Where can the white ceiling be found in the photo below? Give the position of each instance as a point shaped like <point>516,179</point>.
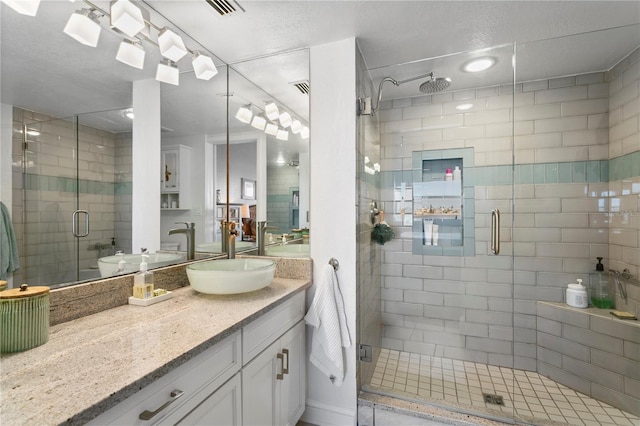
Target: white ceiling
<point>45,70</point>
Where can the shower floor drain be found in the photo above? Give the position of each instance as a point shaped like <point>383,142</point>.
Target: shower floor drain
<point>492,399</point>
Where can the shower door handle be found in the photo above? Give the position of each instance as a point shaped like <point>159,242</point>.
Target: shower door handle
<point>495,232</point>
<point>74,223</point>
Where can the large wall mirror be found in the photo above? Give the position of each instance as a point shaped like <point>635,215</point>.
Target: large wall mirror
<point>72,104</point>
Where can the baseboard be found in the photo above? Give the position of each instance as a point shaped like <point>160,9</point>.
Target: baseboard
<point>319,413</point>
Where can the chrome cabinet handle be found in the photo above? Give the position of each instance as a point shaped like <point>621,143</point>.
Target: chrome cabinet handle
<point>148,415</point>
<point>280,376</point>
<point>495,231</point>
<point>74,223</point>
<point>285,370</point>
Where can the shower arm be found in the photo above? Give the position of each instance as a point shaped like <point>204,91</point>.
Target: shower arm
<point>395,83</point>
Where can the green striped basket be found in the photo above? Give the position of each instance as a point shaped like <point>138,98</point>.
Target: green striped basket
<point>24,318</point>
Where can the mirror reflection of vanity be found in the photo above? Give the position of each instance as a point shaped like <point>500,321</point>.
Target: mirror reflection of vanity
<point>77,165</point>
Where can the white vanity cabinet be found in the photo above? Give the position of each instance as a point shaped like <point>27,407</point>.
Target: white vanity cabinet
<point>256,376</point>
<point>273,384</point>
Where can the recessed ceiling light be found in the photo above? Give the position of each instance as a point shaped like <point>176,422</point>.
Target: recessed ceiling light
<point>479,64</point>
<point>463,107</point>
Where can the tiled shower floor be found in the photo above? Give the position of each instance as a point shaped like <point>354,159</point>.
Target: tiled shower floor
<point>460,384</point>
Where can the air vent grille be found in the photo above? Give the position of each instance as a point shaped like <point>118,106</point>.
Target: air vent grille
<point>302,86</point>
<point>225,7</point>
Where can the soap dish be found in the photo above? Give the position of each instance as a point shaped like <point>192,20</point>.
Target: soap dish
<point>151,301</point>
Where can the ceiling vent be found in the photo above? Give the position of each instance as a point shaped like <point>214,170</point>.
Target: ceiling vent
<point>225,7</point>
<point>302,86</point>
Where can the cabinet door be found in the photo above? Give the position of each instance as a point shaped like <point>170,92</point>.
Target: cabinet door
<point>293,387</point>
<point>223,407</point>
<point>260,388</point>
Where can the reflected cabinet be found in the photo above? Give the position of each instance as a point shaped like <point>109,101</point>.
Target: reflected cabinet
<point>175,168</point>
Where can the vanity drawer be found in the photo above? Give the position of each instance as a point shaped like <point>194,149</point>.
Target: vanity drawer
<point>195,379</point>
<point>261,333</point>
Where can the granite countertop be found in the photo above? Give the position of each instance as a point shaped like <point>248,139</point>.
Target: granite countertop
<point>92,363</point>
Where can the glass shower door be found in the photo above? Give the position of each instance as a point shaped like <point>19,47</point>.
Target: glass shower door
<point>76,196</point>
<point>448,337</point>
<point>49,253</point>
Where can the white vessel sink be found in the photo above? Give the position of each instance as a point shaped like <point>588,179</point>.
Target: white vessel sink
<point>108,266</point>
<point>231,276</point>
<point>288,250</point>
<point>215,247</point>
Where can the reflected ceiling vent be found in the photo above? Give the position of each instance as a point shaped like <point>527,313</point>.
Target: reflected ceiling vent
<point>225,7</point>
<point>302,86</point>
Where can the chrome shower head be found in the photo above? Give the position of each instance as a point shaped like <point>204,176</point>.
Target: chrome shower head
<point>434,85</point>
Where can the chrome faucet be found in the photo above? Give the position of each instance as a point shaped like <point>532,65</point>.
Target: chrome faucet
<point>190,232</point>
<point>262,229</point>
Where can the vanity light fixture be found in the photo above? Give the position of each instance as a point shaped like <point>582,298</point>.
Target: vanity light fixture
<point>167,72</point>
<point>171,45</point>
<point>464,107</point>
<point>282,135</point>
<point>126,17</point>
<point>259,122</point>
<point>271,129</point>
<point>131,53</point>
<point>296,126</point>
<point>24,7</point>
<point>304,133</point>
<point>83,26</point>
<point>244,114</point>
<point>271,111</point>
<point>203,66</point>
<point>285,119</point>
<point>479,64</point>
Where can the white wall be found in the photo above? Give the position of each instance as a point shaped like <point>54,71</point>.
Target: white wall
<point>333,211</point>
<point>6,121</point>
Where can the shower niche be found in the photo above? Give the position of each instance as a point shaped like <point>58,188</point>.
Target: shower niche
<point>443,203</point>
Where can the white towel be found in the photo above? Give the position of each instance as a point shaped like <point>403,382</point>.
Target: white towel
<point>330,333</point>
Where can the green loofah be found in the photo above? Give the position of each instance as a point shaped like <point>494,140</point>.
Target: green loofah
<point>381,233</point>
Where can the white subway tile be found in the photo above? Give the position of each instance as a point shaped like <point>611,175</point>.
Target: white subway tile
<point>386,115</point>
<point>439,98</point>
<point>583,205</point>
<point>622,130</point>
<point>468,132</point>
<point>424,298</point>
<point>585,137</point>
<point>400,126</point>
<point>487,91</point>
<point>462,95</point>
<point>421,111</point>
<point>401,103</point>
<point>585,107</point>
<point>596,77</point>
<point>538,264</point>
<point>487,117</point>
<point>562,82</point>
<point>567,124</point>
<point>598,121</point>
<point>546,140</point>
<point>623,96</point>
<point>599,152</point>
<point>598,90</point>
<point>442,122</point>
<point>525,156</point>
<point>553,155</point>
<point>530,86</point>
<point>631,108</point>
<point>561,95</point>
<point>536,235</point>
<point>536,112</point>
<point>539,205</point>
<point>562,220</point>
<point>507,129</point>
<point>597,236</point>
<point>490,144</point>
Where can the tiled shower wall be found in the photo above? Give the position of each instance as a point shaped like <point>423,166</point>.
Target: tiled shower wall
<point>482,308</point>
<point>44,201</point>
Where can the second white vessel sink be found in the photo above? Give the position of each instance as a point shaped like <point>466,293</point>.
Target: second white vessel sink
<point>231,276</point>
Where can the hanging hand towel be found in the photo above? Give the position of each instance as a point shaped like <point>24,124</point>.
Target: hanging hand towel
<point>330,333</point>
<point>9,260</point>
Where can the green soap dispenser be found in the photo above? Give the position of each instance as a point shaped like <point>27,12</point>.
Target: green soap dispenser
<point>599,285</point>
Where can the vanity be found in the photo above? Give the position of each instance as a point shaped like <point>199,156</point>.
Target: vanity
<point>232,360</point>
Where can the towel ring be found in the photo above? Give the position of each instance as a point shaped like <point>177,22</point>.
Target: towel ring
<point>334,262</point>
